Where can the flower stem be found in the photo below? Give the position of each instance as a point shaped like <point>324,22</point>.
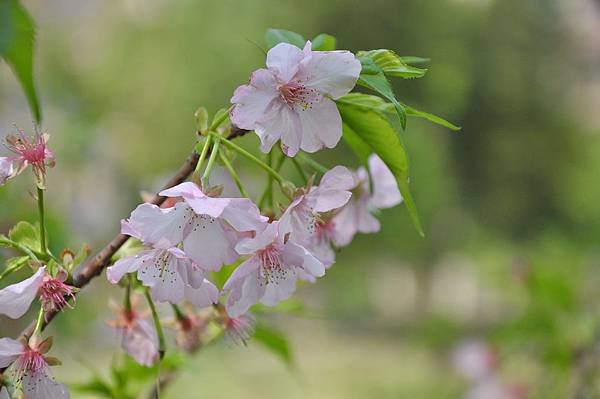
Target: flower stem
<point>312,163</point>
<point>252,158</point>
<point>202,156</point>
<point>179,315</point>
<point>300,170</point>
<point>128,293</point>
<point>217,122</point>
<point>39,323</point>
<point>40,201</point>
<point>211,160</point>
<point>157,325</point>
<point>233,174</point>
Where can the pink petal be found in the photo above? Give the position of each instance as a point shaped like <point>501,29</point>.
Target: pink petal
<point>252,100</point>
<point>281,122</point>
<point>141,342</point>
<point>284,60</point>
<point>262,239</point>
<point>333,190</point>
<point>10,349</point>
<point>209,244</point>
<point>243,215</point>
<point>280,291</point>
<point>41,385</point>
<point>161,228</point>
<point>299,257</point>
<point>185,190</point>
<point>332,72</point>
<point>165,276</point>
<point>385,187</point>
<point>129,264</point>
<point>346,224</point>
<point>205,295</point>
<point>244,288</point>
<point>16,299</point>
<point>321,126</point>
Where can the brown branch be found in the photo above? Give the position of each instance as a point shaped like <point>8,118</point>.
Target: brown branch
<point>94,267</point>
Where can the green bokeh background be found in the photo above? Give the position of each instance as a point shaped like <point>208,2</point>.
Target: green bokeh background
<point>509,204</point>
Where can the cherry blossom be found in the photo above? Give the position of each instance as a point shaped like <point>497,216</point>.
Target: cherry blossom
<point>208,227</point>
<point>29,367</point>
<point>53,293</point>
<point>269,275</point>
<point>307,216</point>
<point>292,99</point>
<point>29,151</point>
<point>138,337</point>
<point>357,215</point>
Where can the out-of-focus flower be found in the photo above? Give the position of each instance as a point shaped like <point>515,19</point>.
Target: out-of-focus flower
<point>51,291</point>
<point>306,216</point>
<point>138,337</point>
<point>239,329</point>
<point>474,359</point>
<point>356,216</point>
<point>190,326</point>
<point>292,99</point>
<point>269,275</point>
<point>29,366</point>
<point>29,150</point>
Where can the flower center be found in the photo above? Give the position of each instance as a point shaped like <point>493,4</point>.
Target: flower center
<point>324,230</point>
<point>296,94</point>
<point>273,269</point>
<point>29,361</point>
<point>53,294</point>
<point>32,150</point>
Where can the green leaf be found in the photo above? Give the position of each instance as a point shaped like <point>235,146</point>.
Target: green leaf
<point>26,234</point>
<point>375,103</point>
<point>275,36</point>
<point>17,35</point>
<point>375,130</point>
<point>324,42</point>
<point>412,60</point>
<point>275,342</point>
<point>410,111</point>
<point>392,64</point>
<point>377,82</point>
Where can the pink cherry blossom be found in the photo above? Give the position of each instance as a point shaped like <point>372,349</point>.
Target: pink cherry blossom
<point>474,359</point>
<point>138,337</point>
<point>29,367</point>
<point>208,227</point>
<point>51,291</point>
<point>269,275</point>
<point>357,215</point>
<point>307,218</point>
<point>29,151</point>
<point>292,99</point>
<point>170,274</point>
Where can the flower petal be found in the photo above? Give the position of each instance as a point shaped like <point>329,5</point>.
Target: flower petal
<point>16,299</point>
<point>333,190</point>
<point>129,264</point>
<point>260,241</point>
<point>208,244</point>
<point>140,341</point>
<point>161,228</point>
<point>243,215</point>
<point>244,288</point>
<point>41,385</point>
<point>281,122</point>
<point>300,257</point>
<point>205,295</point>
<point>10,349</point>
<point>185,190</point>
<point>252,100</point>
<point>385,187</point>
<point>164,274</point>
<point>321,126</point>
<point>332,72</point>
<point>6,169</point>
<point>284,59</point>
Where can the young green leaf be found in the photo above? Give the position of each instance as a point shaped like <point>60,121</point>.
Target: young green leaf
<point>377,82</point>
<point>26,234</point>
<point>376,131</point>
<point>324,42</point>
<point>410,111</point>
<point>392,64</point>
<point>276,342</point>
<point>412,60</point>
<point>275,36</point>
<point>17,36</point>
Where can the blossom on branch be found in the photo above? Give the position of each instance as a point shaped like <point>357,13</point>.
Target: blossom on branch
<point>292,99</point>
<point>29,367</point>
<point>52,292</point>
<point>269,275</point>
<point>32,151</point>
